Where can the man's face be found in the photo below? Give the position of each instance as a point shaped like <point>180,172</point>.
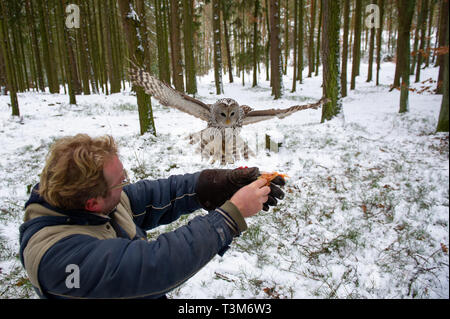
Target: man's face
<point>114,175</point>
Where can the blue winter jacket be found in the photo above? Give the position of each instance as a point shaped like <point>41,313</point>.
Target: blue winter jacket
<point>78,254</point>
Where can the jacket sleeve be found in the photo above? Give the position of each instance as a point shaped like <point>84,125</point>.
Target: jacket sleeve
<point>121,268</point>
<point>159,202</point>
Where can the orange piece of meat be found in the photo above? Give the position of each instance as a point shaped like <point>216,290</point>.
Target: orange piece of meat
<point>270,176</point>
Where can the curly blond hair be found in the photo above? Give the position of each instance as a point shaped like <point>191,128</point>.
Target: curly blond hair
<point>73,171</point>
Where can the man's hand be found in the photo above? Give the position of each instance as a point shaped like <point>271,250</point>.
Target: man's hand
<point>251,198</point>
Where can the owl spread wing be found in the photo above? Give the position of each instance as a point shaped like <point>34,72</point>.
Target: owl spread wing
<point>252,116</point>
<point>168,96</point>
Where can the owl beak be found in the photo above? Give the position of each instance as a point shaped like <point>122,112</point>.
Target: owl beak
<point>227,122</point>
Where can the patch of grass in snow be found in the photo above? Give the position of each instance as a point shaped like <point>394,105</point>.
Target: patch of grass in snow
<point>125,107</point>
<point>15,283</point>
<point>255,241</point>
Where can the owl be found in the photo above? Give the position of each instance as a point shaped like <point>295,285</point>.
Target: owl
<point>220,140</point>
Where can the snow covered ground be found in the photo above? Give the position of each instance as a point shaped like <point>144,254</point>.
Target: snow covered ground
<point>366,209</point>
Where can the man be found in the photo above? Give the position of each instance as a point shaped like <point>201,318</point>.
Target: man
<point>84,236</point>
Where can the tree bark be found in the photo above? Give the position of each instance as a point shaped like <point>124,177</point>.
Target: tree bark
<point>225,12</point>
<point>130,23</point>
<point>443,122</point>
<point>6,52</point>
<point>217,47</point>
<point>406,10</point>
<point>317,62</point>
<point>188,30</point>
<point>161,40</point>
<point>371,50</point>
<point>300,41</point>
<point>379,38</point>
<point>330,58</point>
<point>416,38</point>
<point>430,28</point>
<point>48,64</point>
<point>345,48</point>
<point>294,78</point>
<point>275,49</point>
<point>311,38</point>
<point>35,45</point>
<point>177,62</point>
<point>356,44</point>
<point>68,56</point>
<point>422,25</point>
<point>255,43</point>
<point>443,27</point>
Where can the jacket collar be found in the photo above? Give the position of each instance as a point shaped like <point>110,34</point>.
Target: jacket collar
<point>75,216</point>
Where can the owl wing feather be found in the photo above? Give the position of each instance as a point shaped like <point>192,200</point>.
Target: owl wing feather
<point>252,116</point>
<point>168,96</point>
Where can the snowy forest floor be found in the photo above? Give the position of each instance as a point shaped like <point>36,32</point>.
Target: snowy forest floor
<point>366,212</point>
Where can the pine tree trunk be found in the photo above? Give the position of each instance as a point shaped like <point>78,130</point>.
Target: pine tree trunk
<point>416,38</point>
<point>131,26</point>
<point>423,29</point>
<point>255,43</point>
<point>107,43</point>
<point>443,27</point>
<point>57,44</point>
<point>379,38</point>
<point>319,41</point>
<point>286,36</point>
<point>300,41</point>
<point>294,77</point>
<point>330,59</point>
<point>144,31</point>
<point>116,56</point>
<point>267,47</point>
<point>67,54</point>
<point>311,38</point>
<point>48,63</point>
<point>406,10</point>
<point>443,122</point>
<point>94,48</point>
<point>345,48</point>
<point>226,15</point>
<point>35,45</point>
<point>275,49</point>
<point>371,50</point>
<point>102,54</point>
<point>161,39</point>
<point>217,46</point>
<point>191,81</point>
<point>175,44</point>
<point>398,70</point>
<point>20,57</point>
<point>430,28</point>
<point>3,80</point>
<point>7,55</point>
<point>356,44</point>
<point>166,38</point>
<point>83,54</point>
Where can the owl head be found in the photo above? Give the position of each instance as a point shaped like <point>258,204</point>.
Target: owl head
<point>225,112</point>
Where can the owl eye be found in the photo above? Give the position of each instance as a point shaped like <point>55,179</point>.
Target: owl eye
<point>223,114</point>
<point>232,113</point>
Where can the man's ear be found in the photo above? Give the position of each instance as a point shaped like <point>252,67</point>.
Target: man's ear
<point>92,205</point>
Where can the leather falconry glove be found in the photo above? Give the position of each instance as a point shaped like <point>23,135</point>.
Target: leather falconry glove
<point>215,186</point>
<point>275,192</point>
